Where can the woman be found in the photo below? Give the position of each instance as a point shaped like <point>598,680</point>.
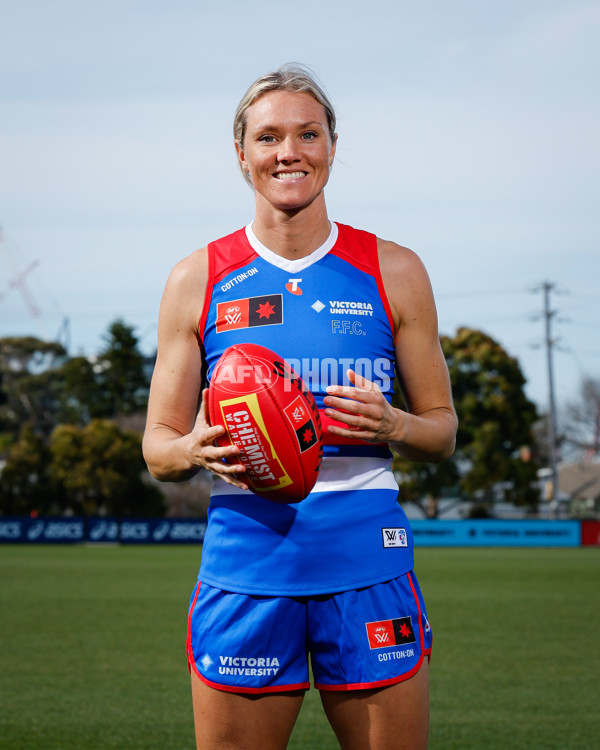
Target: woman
<point>331,575</point>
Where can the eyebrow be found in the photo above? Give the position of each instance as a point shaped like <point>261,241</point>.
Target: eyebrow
<point>310,123</point>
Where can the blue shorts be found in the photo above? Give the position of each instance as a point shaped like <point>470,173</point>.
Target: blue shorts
<point>365,638</point>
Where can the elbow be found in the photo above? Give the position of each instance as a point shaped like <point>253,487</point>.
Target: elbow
<point>156,473</point>
<point>448,447</point>
<point>163,471</point>
<point>446,452</point>
<point>155,467</point>
<point>163,474</point>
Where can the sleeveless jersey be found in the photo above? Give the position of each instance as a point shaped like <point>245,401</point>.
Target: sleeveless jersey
<point>324,313</point>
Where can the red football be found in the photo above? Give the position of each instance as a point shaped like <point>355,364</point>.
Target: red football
<point>271,415</point>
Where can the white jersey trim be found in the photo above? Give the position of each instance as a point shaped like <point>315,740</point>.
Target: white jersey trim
<point>338,474</point>
<point>293,266</point>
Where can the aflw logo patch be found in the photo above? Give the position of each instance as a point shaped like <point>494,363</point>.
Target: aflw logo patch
<point>266,310</point>
<point>390,632</point>
<point>394,537</point>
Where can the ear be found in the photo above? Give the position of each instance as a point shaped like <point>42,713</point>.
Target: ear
<point>241,158</point>
<point>332,149</point>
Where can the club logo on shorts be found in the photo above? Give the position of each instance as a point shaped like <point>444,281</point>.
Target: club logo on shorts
<point>386,633</point>
<point>394,537</point>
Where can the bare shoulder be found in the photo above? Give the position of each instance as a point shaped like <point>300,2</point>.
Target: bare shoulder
<point>190,271</point>
<point>405,280</point>
<point>186,287</point>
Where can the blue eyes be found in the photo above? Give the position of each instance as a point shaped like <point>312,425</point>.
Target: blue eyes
<point>308,136</point>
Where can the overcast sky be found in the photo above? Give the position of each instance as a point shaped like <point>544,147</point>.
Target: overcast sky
<point>468,131</point>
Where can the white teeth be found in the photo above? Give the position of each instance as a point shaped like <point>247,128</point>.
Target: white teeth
<point>289,175</point>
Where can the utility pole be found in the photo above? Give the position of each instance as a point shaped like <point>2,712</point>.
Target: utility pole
<point>547,287</point>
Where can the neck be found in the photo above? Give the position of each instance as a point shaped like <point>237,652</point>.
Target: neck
<point>292,235</point>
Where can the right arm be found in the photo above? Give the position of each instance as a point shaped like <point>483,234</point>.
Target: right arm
<point>178,439</point>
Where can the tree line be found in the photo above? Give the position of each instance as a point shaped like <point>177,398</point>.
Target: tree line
<point>61,446</point>
<point>65,445</point>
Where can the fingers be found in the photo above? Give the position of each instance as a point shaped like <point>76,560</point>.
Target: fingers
<point>361,389</point>
<point>359,381</point>
<point>357,399</point>
<point>219,460</point>
<point>360,407</point>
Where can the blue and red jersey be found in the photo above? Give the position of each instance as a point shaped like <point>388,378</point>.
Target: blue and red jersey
<point>324,314</point>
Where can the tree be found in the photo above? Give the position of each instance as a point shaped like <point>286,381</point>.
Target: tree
<point>495,424</point>
<point>58,454</point>
<point>582,421</point>
<point>82,397</point>
<point>100,468</point>
<point>25,483</point>
<point>120,372</point>
<point>28,393</point>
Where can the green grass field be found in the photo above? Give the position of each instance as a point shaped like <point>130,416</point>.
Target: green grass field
<point>93,654</point>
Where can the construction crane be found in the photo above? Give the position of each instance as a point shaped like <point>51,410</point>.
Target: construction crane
<point>18,280</point>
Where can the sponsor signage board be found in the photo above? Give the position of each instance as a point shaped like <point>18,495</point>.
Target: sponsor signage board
<point>100,530</point>
<point>476,533</point>
<point>590,533</point>
<point>491,533</point>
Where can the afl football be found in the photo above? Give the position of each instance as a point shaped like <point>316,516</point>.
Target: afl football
<point>270,414</point>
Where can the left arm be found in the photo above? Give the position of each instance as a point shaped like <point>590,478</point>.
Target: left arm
<point>427,431</point>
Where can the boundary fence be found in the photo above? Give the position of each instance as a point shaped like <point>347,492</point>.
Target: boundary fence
<point>476,533</point>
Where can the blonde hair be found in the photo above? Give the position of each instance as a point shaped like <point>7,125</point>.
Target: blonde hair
<point>289,77</point>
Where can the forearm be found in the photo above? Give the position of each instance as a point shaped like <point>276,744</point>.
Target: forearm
<point>430,436</point>
<point>167,456</point>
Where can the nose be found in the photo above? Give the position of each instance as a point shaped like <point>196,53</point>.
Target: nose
<point>287,151</point>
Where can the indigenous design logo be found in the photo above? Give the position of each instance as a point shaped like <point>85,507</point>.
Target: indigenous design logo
<point>386,633</point>
<point>266,310</point>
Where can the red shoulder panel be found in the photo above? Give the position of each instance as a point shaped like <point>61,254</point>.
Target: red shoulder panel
<point>229,253</point>
<point>360,249</point>
<point>224,256</point>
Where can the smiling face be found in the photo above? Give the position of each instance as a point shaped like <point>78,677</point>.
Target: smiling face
<point>287,150</point>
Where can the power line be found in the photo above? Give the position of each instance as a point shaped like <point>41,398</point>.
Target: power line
<point>467,293</point>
